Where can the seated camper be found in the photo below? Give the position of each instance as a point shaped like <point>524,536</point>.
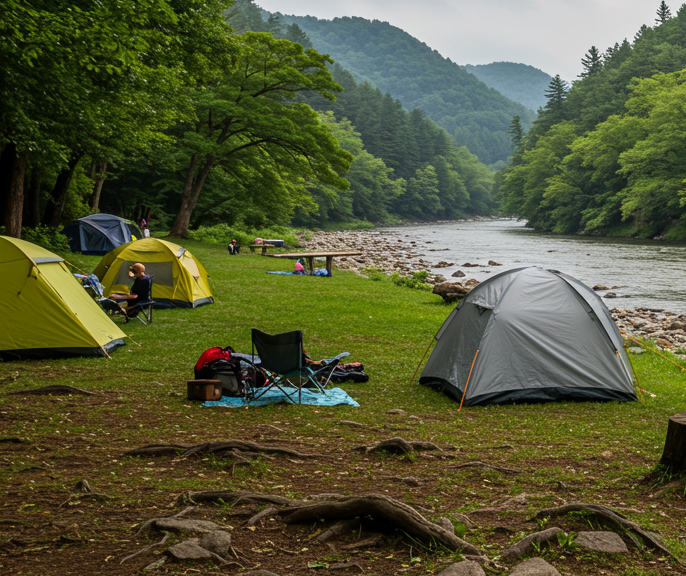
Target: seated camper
<point>140,292</point>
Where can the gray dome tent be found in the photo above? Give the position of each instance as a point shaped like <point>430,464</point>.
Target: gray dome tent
<point>98,234</point>
<point>530,335</point>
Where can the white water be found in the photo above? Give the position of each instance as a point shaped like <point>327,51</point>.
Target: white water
<point>643,273</point>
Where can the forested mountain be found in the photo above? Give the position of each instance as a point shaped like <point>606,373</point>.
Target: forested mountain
<point>475,115</point>
<point>519,82</point>
<point>405,166</point>
<point>608,155</point>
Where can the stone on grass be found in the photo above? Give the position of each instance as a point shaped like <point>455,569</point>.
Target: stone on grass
<point>601,541</point>
<point>177,525</point>
<point>534,567</point>
<point>466,568</point>
<point>444,522</point>
<point>217,541</point>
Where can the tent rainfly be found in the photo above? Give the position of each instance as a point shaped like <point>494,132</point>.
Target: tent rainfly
<point>530,335</point>
<point>97,234</point>
<point>180,280</point>
<point>46,313</point>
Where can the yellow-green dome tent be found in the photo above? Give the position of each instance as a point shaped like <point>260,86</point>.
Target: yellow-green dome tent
<point>180,280</point>
<point>46,313</point>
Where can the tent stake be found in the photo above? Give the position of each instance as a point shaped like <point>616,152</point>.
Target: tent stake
<point>468,379</point>
<point>422,360</point>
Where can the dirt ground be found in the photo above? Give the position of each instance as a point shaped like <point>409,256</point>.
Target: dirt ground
<point>49,527</point>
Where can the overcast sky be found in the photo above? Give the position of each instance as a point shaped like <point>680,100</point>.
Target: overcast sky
<point>552,35</point>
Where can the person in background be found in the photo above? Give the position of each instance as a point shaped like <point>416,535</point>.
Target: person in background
<point>146,232</point>
<point>234,248</point>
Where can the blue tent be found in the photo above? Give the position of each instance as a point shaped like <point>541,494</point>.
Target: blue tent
<point>98,234</point>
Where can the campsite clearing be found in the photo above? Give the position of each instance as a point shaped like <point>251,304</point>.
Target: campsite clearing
<point>500,465</point>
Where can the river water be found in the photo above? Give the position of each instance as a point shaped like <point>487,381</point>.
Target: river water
<point>642,273</point>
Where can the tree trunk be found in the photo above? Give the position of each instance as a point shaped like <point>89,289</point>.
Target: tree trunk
<point>99,176</point>
<point>191,193</point>
<point>12,174</point>
<point>674,454</point>
<point>58,196</point>
<point>33,198</point>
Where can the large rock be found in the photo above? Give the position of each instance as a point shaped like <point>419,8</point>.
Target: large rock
<point>466,568</point>
<point>601,541</point>
<point>451,291</point>
<point>534,567</point>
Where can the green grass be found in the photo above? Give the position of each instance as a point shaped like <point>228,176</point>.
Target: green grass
<point>600,451</point>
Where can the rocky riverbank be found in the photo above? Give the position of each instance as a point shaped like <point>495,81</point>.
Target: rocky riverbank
<point>392,251</point>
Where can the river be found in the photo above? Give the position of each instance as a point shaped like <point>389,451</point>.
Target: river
<point>643,273</point>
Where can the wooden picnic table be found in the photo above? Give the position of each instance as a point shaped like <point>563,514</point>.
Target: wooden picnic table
<point>310,256</point>
<point>267,244</point>
<point>263,246</point>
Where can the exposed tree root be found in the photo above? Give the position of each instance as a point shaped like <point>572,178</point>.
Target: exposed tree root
<point>158,450</point>
<point>632,529</point>
<point>235,498</point>
<point>486,465</point>
<point>85,493</point>
<point>146,549</point>
<point>525,545</point>
<point>260,515</point>
<point>237,449</point>
<point>399,445</point>
<point>384,510</point>
<point>54,389</point>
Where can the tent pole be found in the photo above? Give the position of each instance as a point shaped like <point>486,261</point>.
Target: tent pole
<point>422,360</point>
<point>468,379</point>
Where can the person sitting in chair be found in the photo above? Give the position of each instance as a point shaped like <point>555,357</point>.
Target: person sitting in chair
<point>234,248</point>
<point>139,292</point>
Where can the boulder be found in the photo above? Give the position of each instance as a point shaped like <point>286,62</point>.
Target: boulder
<point>465,568</point>
<point>534,567</point>
<point>451,291</point>
<point>601,541</point>
<point>493,263</point>
<point>600,287</point>
<point>458,274</point>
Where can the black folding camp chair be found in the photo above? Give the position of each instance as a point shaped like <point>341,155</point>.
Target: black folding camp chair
<point>282,357</point>
<point>142,310</point>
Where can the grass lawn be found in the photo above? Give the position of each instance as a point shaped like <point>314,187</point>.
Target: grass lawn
<point>547,454</point>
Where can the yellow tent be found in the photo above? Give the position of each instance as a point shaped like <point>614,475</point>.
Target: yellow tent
<point>180,280</point>
<point>46,313</point>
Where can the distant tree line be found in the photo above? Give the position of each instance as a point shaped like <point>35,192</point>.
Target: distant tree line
<point>608,154</point>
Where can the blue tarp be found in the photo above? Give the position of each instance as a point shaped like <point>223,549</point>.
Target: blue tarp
<point>333,397</point>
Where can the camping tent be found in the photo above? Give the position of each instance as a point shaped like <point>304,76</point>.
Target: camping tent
<point>180,280</point>
<point>46,312</point>
<point>99,233</point>
<point>530,335</point>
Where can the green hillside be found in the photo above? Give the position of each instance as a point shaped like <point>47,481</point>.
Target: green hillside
<point>475,115</point>
<point>519,82</point>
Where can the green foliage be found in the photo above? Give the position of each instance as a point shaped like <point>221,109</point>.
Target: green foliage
<point>621,168</point>
<point>47,237</point>
<point>416,281</point>
<point>223,234</point>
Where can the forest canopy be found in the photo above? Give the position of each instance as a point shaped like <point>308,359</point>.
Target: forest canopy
<point>202,112</point>
<point>607,155</point>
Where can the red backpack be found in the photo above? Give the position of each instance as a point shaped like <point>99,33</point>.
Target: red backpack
<point>212,354</point>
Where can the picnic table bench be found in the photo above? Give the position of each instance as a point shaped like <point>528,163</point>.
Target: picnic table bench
<point>267,244</point>
<point>310,256</point>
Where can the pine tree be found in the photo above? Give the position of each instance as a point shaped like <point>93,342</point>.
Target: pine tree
<point>516,132</point>
<point>663,13</point>
<point>556,93</point>
<point>592,62</point>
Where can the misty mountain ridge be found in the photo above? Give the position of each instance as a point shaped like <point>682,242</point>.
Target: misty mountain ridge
<point>475,115</point>
<point>519,82</point>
